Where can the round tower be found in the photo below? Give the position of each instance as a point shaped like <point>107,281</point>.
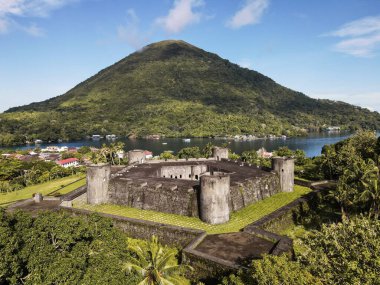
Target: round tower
<point>219,152</point>
<point>98,176</point>
<point>284,166</point>
<point>136,156</point>
<point>214,198</point>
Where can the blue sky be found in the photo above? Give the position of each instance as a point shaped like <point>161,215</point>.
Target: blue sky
<point>325,49</point>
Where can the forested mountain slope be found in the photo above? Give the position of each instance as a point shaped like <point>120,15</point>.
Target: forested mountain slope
<point>176,89</point>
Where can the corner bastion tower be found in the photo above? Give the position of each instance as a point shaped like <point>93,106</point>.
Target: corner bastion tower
<point>215,197</point>
<point>284,166</point>
<point>208,188</point>
<point>98,176</point>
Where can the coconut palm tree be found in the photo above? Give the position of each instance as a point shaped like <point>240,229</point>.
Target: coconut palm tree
<point>371,189</point>
<point>156,265</point>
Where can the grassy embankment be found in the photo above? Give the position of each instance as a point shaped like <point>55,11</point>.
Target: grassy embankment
<point>59,187</point>
<point>238,220</point>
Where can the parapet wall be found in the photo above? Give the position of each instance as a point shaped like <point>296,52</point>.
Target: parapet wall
<point>141,229</point>
<point>189,172</point>
<point>253,190</point>
<point>159,198</point>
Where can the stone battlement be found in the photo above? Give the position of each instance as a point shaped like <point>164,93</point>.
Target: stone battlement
<point>205,188</point>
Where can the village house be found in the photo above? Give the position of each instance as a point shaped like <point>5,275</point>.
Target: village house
<point>69,162</point>
<point>263,153</point>
<point>148,154</point>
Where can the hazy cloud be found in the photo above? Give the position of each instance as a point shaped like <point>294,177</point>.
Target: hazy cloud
<point>130,33</point>
<point>181,15</point>
<point>245,63</point>
<point>34,30</point>
<point>368,100</point>
<point>359,38</point>
<point>249,14</point>
<point>10,10</point>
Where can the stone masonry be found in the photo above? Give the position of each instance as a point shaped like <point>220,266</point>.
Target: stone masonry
<point>207,188</point>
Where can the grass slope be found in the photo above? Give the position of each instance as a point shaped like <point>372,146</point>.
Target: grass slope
<point>238,220</point>
<point>176,89</point>
<point>63,185</point>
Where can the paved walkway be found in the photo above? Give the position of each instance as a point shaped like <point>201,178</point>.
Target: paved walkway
<point>237,247</point>
<point>33,207</point>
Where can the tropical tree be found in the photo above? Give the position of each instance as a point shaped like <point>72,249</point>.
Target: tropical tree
<point>167,155</point>
<point>344,253</point>
<point>156,265</point>
<point>233,156</point>
<point>118,148</point>
<point>328,161</point>
<point>207,150</point>
<point>284,151</point>
<point>371,189</point>
<point>189,152</point>
<point>250,156</point>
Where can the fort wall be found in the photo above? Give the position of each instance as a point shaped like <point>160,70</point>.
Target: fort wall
<point>157,197</point>
<point>188,172</point>
<point>253,190</point>
<point>219,153</point>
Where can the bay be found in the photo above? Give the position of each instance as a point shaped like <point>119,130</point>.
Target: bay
<point>312,144</point>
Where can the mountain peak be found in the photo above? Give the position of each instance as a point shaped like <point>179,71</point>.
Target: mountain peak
<point>176,89</point>
<point>166,49</point>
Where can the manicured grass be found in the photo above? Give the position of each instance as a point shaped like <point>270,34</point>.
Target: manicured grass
<point>43,188</point>
<point>302,179</point>
<point>238,220</point>
<point>69,188</point>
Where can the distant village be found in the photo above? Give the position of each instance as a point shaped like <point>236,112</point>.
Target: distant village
<point>69,156</point>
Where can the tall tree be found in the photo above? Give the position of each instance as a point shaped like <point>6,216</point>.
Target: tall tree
<point>156,265</point>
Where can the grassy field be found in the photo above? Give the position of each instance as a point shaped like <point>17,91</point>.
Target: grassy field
<point>238,220</point>
<point>45,188</point>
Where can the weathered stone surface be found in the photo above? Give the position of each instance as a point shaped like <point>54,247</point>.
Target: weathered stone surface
<point>214,198</point>
<point>284,166</point>
<point>136,156</point>
<point>163,199</point>
<point>174,187</point>
<point>98,177</point>
<point>252,190</point>
<point>140,229</point>
<point>220,153</point>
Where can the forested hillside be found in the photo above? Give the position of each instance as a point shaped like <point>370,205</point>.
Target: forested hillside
<point>175,89</point>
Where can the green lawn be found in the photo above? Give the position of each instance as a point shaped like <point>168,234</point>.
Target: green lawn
<point>44,189</point>
<point>238,220</point>
<point>302,179</point>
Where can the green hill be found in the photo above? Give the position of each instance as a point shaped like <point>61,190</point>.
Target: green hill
<point>176,89</point>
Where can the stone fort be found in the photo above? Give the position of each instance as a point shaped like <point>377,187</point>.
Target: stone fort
<point>206,188</point>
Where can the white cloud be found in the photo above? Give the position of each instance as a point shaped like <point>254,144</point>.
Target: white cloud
<point>249,14</point>
<point>359,38</point>
<point>10,10</point>
<point>369,100</point>
<point>181,15</point>
<point>245,63</point>
<point>130,33</point>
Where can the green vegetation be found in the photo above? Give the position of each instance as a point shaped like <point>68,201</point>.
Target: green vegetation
<point>56,248</point>
<point>238,220</point>
<point>108,154</point>
<point>345,252</point>
<point>156,264</point>
<point>175,89</point>
<point>62,186</point>
<point>16,174</point>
